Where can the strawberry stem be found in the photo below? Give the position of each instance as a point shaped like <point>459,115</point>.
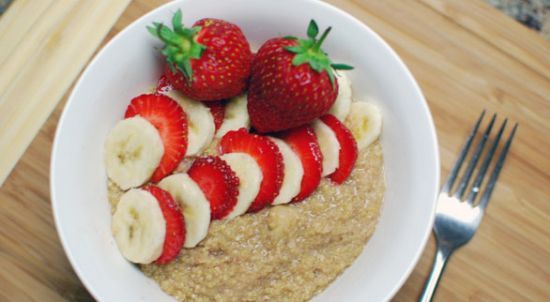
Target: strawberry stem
<point>180,44</point>
<point>309,51</point>
<point>317,45</point>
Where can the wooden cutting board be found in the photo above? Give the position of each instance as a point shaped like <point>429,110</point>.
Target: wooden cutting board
<point>45,44</point>
<point>466,57</point>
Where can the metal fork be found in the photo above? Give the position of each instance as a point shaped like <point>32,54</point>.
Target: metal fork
<point>458,216</point>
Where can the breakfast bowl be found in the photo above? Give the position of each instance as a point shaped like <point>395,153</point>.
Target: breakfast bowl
<point>129,65</point>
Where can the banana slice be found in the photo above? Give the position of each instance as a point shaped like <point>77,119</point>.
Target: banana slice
<point>236,116</point>
<point>329,145</point>
<point>195,206</point>
<point>200,123</point>
<point>139,227</point>
<point>293,173</point>
<point>365,123</point>
<point>340,108</point>
<point>133,150</point>
<point>250,177</point>
<point>184,165</point>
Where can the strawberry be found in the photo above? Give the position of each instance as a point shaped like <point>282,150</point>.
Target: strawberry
<point>163,85</point>
<point>175,224</point>
<point>218,112</point>
<point>207,62</point>
<point>218,182</point>
<point>267,155</point>
<point>303,141</point>
<point>348,148</point>
<point>292,82</point>
<point>170,120</point>
<point>217,108</point>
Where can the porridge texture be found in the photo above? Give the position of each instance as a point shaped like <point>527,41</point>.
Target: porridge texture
<point>283,253</point>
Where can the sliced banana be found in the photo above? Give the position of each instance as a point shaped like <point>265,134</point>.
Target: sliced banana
<point>185,164</point>
<point>341,107</point>
<point>236,116</point>
<point>195,206</point>
<point>329,145</point>
<point>133,150</point>
<point>200,123</point>
<point>250,177</point>
<point>139,227</point>
<point>365,123</point>
<point>293,173</point>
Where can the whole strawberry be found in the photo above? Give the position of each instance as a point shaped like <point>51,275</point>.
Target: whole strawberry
<point>209,61</point>
<point>292,82</point>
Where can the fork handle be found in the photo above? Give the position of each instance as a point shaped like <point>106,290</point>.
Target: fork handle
<point>441,256</point>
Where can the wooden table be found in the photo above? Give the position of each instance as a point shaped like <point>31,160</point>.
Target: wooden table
<point>466,56</point>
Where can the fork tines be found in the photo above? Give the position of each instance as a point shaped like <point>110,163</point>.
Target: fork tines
<point>482,170</point>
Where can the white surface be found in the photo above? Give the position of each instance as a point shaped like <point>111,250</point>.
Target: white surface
<point>98,101</point>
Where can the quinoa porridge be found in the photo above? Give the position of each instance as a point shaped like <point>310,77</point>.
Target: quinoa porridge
<point>283,253</point>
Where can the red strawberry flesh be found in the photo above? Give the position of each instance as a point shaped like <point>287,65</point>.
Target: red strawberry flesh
<point>175,224</point>
<point>163,85</point>
<point>208,62</point>
<point>267,155</point>
<point>218,182</point>
<point>304,143</point>
<point>170,120</point>
<point>292,82</point>
<point>218,112</point>
<point>348,148</point>
<point>283,96</point>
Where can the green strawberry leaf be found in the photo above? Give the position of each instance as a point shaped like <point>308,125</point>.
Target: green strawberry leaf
<point>195,30</point>
<point>339,66</point>
<point>316,65</point>
<point>331,77</point>
<point>309,51</point>
<point>299,59</point>
<point>176,22</point>
<point>295,49</point>
<point>180,45</point>
<point>167,35</point>
<point>312,29</point>
<point>153,29</point>
<point>186,68</point>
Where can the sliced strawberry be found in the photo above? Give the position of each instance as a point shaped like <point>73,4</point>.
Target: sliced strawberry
<point>218,182</point>
<point>303,141</point>
<point>163,85</point>
<point>217,108</point>
<point>348,148</point>
<point>175,224</point>
<point>268,157</point>
<point>170,120</point>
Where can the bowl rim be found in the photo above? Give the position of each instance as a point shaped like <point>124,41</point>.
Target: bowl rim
<point>425,108</point>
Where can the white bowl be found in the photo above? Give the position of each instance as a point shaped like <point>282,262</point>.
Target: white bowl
<point>130,65</point>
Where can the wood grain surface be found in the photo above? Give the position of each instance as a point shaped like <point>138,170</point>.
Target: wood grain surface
<point>466,56</point>
<point>44,45</point>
